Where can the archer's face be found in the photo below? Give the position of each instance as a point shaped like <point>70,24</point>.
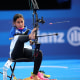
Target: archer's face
<point>19,23</point>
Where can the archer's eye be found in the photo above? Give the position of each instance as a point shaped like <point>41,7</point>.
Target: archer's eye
<point>18,21</point>
<point>21,21</point>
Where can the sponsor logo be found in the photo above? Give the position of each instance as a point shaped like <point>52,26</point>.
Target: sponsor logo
<point>51,39</point>
<point>73,36</point>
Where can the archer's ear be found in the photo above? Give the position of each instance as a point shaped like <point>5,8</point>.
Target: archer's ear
<point>14,23</point>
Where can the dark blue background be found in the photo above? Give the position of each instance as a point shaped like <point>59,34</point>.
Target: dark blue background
<point>51,50</point>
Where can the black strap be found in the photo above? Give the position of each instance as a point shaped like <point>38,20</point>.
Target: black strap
<point>26,32</point>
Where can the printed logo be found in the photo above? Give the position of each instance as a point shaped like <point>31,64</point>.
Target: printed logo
<point>73,36</point>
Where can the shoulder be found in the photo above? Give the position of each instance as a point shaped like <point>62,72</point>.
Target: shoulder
<point>12,29</point>
<point>12,32</point>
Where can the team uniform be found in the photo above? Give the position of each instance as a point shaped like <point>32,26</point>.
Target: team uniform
<point>21,48</point>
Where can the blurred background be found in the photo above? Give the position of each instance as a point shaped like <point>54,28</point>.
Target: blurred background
<point>61,54</point>
<point>60,16</point>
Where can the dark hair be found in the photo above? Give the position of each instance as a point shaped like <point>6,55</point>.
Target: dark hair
<point>16,16</point>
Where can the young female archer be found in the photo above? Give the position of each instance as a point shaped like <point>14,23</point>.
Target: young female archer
<point>19,36</point>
